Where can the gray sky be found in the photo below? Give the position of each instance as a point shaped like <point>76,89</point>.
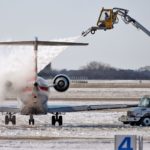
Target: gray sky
<point>122,47</point>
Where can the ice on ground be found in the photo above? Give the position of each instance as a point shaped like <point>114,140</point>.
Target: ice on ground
<point>61,144</point>
<point>95,124</point>
<point>101,93</point>
<point>57,144</point>
<point>81,130</point>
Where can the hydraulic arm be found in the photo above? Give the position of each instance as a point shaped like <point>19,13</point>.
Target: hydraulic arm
<point>109,17</point>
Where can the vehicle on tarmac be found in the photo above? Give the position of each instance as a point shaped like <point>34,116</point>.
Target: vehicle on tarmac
<point>139,115</point>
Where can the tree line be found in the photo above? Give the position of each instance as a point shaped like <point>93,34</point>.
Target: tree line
<point>97,70</point>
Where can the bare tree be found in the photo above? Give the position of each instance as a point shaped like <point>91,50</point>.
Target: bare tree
<point>94,65</point>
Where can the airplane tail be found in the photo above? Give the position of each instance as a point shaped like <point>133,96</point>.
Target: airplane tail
<point>37,43</point>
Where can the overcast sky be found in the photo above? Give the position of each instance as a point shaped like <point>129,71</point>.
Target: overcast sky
<point>122,47</point>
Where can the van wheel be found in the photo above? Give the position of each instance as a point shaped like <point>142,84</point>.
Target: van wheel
<point>132,123</point>
<point>146,121</point>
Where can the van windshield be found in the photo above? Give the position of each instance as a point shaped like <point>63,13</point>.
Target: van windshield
<point>145,102</point>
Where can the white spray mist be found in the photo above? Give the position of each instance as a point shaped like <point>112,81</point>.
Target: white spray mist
<point>16,69</point>
<point>17,65</point>
<point>46,54</point>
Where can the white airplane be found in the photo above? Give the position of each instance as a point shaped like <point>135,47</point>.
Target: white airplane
<point>34,99</point>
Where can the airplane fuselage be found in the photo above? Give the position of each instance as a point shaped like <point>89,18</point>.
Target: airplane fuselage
<point>34,99</point>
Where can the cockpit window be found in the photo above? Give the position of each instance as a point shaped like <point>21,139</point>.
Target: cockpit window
<point>145,102</point>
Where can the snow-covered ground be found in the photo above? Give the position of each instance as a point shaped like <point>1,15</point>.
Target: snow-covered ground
<point>101,93</point>
<point>57,144</point>
<point>84,130</point>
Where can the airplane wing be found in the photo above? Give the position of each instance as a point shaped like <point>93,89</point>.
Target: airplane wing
<point>43,43</point>
<point>64,109</point>
<point>10,109</point>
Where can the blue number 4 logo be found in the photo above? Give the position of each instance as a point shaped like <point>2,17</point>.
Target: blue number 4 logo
<point>126,144</point>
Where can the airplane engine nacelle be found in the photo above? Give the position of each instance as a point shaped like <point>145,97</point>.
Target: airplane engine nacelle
<point>61,83</point>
